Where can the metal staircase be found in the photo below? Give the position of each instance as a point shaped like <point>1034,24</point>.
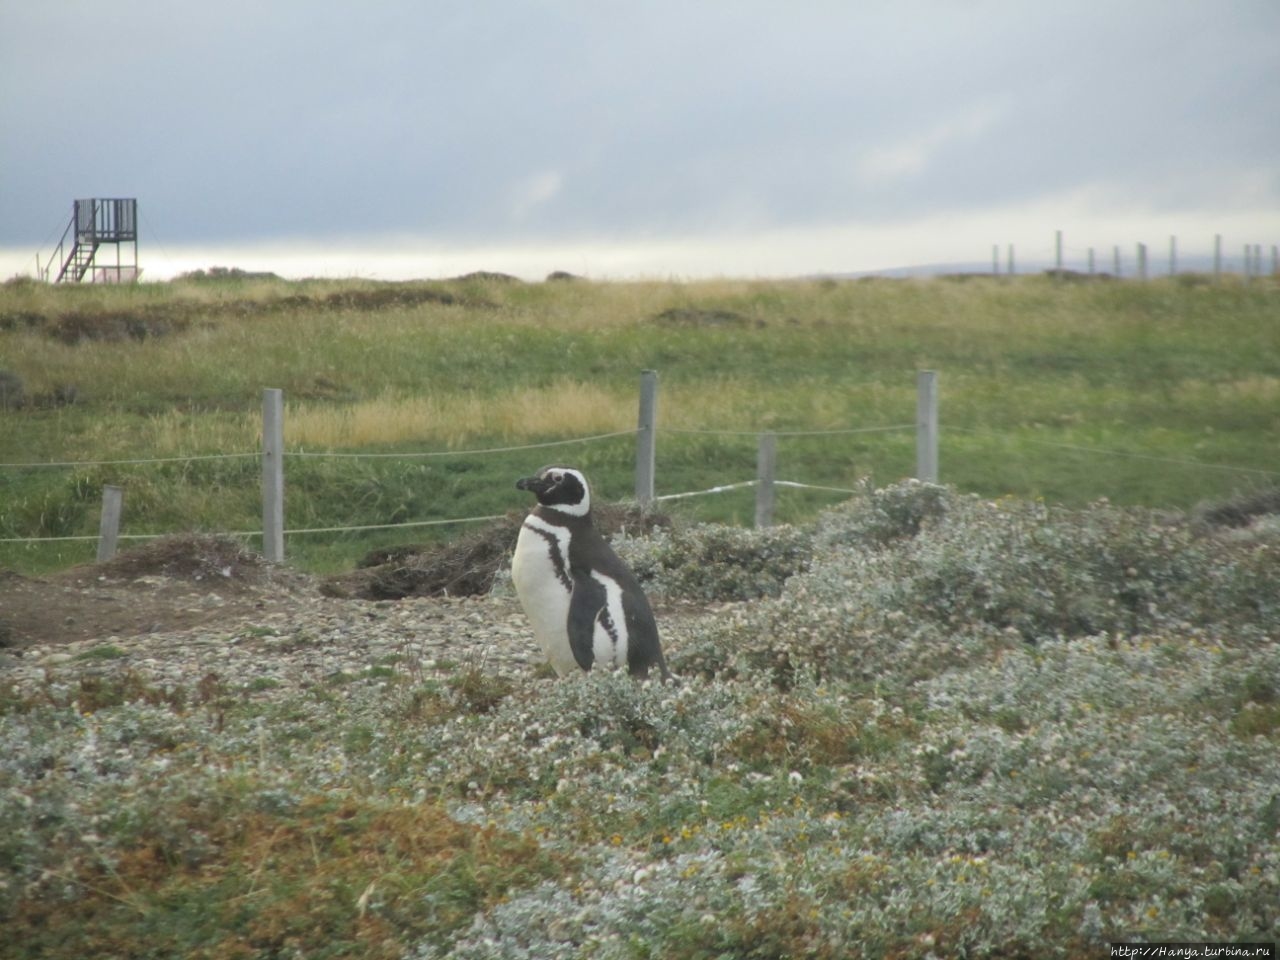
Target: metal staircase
<point>94,223</point>
<point>78,263</point>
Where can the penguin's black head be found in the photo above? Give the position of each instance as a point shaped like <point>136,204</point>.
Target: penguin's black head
<point>562,488</point>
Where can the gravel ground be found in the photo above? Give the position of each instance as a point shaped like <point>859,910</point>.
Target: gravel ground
<point>279,643</point>
<point>178,609</point>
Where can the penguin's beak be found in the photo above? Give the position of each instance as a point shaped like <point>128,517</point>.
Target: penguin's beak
<point>532,484</point>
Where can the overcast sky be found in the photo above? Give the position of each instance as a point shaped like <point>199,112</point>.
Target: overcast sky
<point>395,138</point>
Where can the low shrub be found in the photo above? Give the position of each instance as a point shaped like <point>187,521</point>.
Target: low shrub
<point>916,579</point>
<point>713,562</point>
<point>882,515</point>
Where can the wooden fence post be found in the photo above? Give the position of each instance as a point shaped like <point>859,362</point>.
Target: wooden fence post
<point>646,437</point>
<point>766,473</point>
<point>273,475</point>
<point>1217,257</point>
<point>927,426</point>
<point>109,524</point>
<point>1142,261</point>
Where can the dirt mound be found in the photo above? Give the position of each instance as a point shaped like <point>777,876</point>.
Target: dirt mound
<point>463,567</point>
<point>112,326</point>
<point>1075,276</point>
<point>1240,510</point>
<point>194,558</point>
<point>487,276</point>
<point>13,392</point>
<point>699,317</point>
<point>178,316</point>
<point>172,583</point>
<point>383,297</point>
<point>224,274</point>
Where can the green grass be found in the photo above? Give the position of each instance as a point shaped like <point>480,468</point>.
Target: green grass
<point>226,875</point>
<point>1038,381</point>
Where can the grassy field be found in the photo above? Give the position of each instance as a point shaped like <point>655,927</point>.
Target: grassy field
<point>1067,391</point>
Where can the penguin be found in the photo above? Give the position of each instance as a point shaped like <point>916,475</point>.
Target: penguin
<point>586,606</point>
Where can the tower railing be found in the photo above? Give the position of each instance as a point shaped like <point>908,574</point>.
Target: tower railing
<point>95,222</point>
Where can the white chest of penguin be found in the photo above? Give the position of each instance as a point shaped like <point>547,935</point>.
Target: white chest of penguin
<point>543,582</point>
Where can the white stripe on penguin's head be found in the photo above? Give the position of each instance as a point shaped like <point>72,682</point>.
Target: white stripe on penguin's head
<point>561,488</point>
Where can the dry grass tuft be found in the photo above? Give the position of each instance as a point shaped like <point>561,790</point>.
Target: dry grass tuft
<point>565,408</point>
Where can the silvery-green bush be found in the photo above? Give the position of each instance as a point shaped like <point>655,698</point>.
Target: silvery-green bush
<point>917,578</point>
<point>878,516</point>
<point>1069,794</point>
<point>714,562</point>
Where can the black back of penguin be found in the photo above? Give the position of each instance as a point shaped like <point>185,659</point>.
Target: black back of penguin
<point>564,501</point>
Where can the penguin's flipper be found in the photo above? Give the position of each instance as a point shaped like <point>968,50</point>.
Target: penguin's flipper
<point>643,648</point>
<point>585,604</point>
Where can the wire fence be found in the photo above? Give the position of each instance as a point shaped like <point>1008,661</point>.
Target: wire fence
<point>300,455</point>
<point>765,483</point>
<point>1139,260</point>
<point>411,455</point>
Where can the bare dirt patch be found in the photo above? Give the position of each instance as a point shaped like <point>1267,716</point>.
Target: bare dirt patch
<point>180,582</point>
<point>170,584</point>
